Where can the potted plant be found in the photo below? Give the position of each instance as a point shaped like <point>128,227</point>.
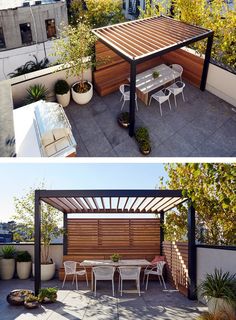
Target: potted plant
<point>50,219</point>
<point>31,302</point>
<point>17,297</point>
<point>23,264</point>
<point>155,74</point>
<point>62,91</point>
<point>219,290</point>
<point>47,295</point>
<point>36,92</point>
<point>123,119</point>
<point>115,257</point>
<point>74,50</point>
<point>7,263</point>
<point>143,140</point>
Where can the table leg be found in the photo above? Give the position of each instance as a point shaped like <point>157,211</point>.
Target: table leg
<point>91,279</point>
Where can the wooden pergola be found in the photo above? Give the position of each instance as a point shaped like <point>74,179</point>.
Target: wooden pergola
<point>114,201</point>
<point>140,40</point>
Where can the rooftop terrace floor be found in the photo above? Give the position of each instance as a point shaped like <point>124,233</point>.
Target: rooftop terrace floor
<point>202,126</point>
<point>152,304</point>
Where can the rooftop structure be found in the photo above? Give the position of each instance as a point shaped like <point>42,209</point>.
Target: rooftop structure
<point>11,4</point>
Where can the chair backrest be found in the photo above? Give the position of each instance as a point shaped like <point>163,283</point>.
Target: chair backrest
<point>160,266</point>
<point>104,272</point>
<point>157,259</point>
<point>180,84</point>
<point>178,68</point>
<point>129,273</point>
<point>70,267</point>
<point>122,88</point>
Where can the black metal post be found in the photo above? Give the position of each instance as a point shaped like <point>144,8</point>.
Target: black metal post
<point>206,61</point>
<point>132,97</point>
<point>37,243</point>
<point>192,256</point>
<point>161,231</point>
<point>65,234</point>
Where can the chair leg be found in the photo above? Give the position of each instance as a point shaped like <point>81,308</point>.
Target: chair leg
<point>121,286</point>
<point>163,281</point>
<point>183,96</point>
<point>122,105</point>
<point>76,282</point>
<point>147,281</point>
<point>86,276</point>
<point>95,287</point>
<point>175,101</point>
<point>64,281</point>
<point>136,104</point>
<point>144,277</point>
<point>113,291</point>
<point>150,100</point>
<point>160,109</point>
<point>121,97</point>
<point>73,279</point>
<point>138,287</point>
<point>169,103</point>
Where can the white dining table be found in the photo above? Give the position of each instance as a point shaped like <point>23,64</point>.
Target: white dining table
<point>121,262</point>
<point>145,83</point>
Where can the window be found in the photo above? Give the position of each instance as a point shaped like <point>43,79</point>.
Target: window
<point>26,34</point>
<point>2,40</point>
<point>50,28</point>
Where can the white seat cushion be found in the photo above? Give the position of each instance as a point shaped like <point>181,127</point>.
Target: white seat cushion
<point>60,133</point>
<point>62,144</point>
<point>50,150</point>
<point>47,138</point>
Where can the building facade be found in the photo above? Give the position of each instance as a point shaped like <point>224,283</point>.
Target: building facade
<point>24,23</point>
<point>131,8</point>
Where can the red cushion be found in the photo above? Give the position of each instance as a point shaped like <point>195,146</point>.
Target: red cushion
<point>157,259</point>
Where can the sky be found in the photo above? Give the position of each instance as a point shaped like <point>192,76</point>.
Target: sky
<point>17,178</point>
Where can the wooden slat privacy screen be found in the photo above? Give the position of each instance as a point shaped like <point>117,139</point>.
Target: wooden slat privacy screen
<point>132,238</point>
<point>176,254</point>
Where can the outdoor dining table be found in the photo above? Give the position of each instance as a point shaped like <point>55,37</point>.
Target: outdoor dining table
<point>145,83</point>
<point>121,262</point>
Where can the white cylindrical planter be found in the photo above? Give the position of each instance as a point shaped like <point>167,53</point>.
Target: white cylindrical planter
<point>63,99</point>
<point>47,271</point>
<point>82,98</point>
<point>216,305</point>
<point>23,269</point>
<point>7,268</point>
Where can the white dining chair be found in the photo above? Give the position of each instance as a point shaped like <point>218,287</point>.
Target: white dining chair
<point>161,97</point>
<point>129,273</point>
<point>177,88</point>
<point>103,273</point>
<point>158,271</point>
<point>125,91</point>
<point>71,269</point>
<point>178,68</point>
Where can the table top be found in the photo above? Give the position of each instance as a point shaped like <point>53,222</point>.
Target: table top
<point>146,83</point>
<point>122,262</point>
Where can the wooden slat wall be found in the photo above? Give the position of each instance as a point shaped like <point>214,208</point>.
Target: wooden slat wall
<point>100,238</point>
<point>115,70</point>
<point>176,254</point>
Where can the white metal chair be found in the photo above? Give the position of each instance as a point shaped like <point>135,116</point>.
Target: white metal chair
<point>129,273</point>
<point>178,68</point>
<point>70,269</point>
<point>124,89</point>
<point>161,96</point>
<point>103,273</point>
<point>177,88</point>
<point>158,271</point>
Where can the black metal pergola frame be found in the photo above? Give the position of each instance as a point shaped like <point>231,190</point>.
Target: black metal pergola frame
<point>135,60</point>
<point>58,199</point>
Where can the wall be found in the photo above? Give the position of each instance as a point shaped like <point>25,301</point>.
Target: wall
<point>56,251</point>
<point>209,258</point>
<point>222,83</point>
<point>36,16</point>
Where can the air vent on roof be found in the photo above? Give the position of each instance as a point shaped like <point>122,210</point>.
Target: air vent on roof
<point>38,2</point>
<point>26,4</point>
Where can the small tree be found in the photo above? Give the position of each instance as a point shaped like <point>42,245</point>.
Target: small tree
<point>50,222</point>
<point>153,8</point>
<point>75,52</point>
<point>96,13</point>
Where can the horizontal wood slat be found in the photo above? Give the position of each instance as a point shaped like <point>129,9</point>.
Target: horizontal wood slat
<point>176,254</point>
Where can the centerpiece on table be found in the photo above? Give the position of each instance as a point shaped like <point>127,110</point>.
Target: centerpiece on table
<point>115,257</point>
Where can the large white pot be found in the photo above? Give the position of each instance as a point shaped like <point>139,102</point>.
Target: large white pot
<point>82,98</point>
<point>63,99</point>
<point>23,269</point>
<point>47,271</point>
<point>7,268</point>
<point>217,304</point>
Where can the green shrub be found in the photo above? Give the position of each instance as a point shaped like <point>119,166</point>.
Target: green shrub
<point>61,87</point>
<point>8,252</point>
<point>23,256</point>
<point>36,92</point>
<point>47,294</point>
<point>141,134</point>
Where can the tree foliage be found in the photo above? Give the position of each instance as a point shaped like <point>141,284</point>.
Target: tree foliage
<point>50,222</point>
<point>153,8</point>
<point>211,187</point>
<point>96,13</point>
